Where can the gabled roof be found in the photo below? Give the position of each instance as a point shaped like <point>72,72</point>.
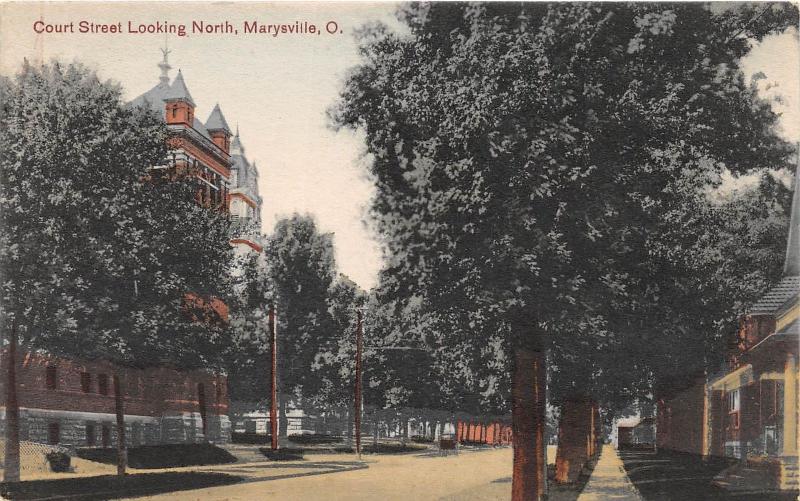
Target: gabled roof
<point>178,90</point>
<point>216,121</point>
<point>770,303</point>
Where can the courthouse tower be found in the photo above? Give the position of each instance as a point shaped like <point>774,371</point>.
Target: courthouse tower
<point>209,154</point>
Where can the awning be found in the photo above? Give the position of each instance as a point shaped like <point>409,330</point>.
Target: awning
<point>736,379</point>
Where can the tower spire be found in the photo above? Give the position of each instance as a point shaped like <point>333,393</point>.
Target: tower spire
<point>164,64</point>
<point>791,266</point>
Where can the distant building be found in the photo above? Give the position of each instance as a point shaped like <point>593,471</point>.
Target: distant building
<point>636,433</point>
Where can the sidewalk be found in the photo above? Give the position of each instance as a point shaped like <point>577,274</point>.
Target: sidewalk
<point>609,480</point>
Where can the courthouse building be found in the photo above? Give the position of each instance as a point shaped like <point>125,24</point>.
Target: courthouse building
<point>70,401</point>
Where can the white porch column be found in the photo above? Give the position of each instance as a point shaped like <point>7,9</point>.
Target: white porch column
<point>790,407</point>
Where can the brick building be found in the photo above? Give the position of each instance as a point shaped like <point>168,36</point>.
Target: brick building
<point>208,153</point>
<point>681,414</point>
<point>71,402</point>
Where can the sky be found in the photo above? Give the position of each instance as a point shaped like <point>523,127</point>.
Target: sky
<point>277,90</point>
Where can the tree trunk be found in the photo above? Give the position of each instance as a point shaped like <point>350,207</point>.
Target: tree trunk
<point>122,452</point>
<point>573,436</point>
<point>528,416</point>
<point>375,431</point>
<point>11,462</point>
<point>273,378</point>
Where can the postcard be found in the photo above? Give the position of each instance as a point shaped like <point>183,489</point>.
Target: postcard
<point>388,251</point>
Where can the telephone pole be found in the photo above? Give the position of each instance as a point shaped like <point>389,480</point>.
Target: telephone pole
<point>273,404</point>
<point>359,343</point>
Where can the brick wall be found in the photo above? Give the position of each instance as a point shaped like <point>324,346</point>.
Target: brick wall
<point>161,404</point>
<point>679,422</point>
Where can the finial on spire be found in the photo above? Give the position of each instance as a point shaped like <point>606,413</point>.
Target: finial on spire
<point>164,64</point>
<point>237,129</point>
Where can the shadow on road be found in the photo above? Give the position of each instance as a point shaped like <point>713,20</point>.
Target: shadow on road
<point>668,476</point>
<point>113,487</point>
<point>252,473</point>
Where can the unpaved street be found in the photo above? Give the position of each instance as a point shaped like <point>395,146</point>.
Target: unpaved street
<point>409,476</point>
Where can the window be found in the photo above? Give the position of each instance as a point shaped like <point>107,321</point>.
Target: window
<point>53,433</point>
<point>86,382</point>
<point>733,409</point>
<point>102,384</point>
<point>174,111</point>
<point>106,432</point>
<point>91,439</point>
<point>733,401</point>
<point>50,376</point>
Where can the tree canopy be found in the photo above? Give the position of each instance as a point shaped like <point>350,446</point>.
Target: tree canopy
<point>94,253</point>
<point>544,164</point>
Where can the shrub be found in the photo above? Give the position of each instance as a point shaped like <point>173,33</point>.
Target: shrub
<point>250,438</point>
<point>162,456</point>
<point>315,439</point>
<point>383,448</point>
<point>284,454</point>
<point>59,461</point>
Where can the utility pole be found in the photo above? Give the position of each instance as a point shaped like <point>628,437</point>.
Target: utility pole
<point>359,344</point>
<point>11,470</point>
<point>273,404</point>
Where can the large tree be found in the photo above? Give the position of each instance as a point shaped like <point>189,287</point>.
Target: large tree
<point>523,156</point>
<point>301,268</point>
<point>93,252</point>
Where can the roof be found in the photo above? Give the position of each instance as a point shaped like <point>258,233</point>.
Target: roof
<point>771,302</point>
<point>216,121</point>
<point>733,380</point>
<point>153,99</point>
<point>199,127</point>
<point>178,90</point>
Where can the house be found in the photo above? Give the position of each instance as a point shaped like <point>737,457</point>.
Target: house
<point>753,407</point>
<point>749,412</point>
<point>636,434</point>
